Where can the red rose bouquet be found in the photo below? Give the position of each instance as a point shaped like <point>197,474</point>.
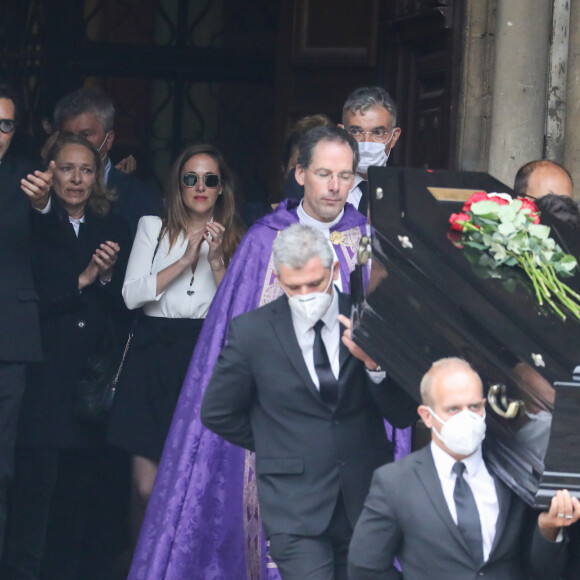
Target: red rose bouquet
<point>508,232</point>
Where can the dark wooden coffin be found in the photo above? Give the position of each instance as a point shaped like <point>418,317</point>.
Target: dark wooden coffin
<point>426,301</point>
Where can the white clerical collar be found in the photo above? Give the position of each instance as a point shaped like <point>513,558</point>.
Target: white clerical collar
<point>323,227</point>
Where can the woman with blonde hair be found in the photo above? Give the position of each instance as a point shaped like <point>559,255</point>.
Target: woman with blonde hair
<point>80,252</point>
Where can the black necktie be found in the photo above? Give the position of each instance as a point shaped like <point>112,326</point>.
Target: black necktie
<point>467,514</point>
<point>363,204</point>
<point>328,382</point>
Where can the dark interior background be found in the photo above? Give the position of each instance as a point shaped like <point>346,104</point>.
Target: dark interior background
<point>236,74</point>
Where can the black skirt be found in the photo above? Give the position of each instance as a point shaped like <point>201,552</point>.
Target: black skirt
<point>150,383</point>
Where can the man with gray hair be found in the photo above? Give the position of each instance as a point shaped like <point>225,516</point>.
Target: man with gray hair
<point>309,405</point>
<point>369,114</point>
<point>89,113</point>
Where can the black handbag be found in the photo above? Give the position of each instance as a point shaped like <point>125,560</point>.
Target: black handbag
<point>95,392</point>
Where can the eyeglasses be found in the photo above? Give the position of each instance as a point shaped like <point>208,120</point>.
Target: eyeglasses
<point>326,176</point>
<point>7,125</point>
<point>379,134</point>
<point>210,179</point>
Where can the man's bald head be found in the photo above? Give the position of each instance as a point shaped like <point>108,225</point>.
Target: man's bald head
<point>441,369</point>
<point>539,178</point>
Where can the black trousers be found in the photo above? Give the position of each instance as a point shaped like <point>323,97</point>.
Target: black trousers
<point>50,514</point>
<point>321,557</point>
<point>12,383</point>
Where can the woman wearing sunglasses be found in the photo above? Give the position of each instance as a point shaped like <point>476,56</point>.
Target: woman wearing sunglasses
<point>175,267</point>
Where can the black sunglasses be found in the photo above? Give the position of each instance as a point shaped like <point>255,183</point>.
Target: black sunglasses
<point>210,179</point>
<point>7,125</point>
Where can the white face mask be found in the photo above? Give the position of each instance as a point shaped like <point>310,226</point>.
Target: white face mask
<point>372,153</point>
<point>312,307</point>
<point>463,433</point>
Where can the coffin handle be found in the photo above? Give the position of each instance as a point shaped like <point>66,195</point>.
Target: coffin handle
<point>498,401</point>
<point>364,250</point>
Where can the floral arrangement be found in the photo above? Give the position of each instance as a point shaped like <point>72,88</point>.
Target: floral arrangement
<point>507,232</point>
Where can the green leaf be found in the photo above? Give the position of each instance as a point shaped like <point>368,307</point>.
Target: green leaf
<point>568,262</point>
<point>520,220</point>
<point>506,228</point>
<point>485,208</point>
<point>539,231</point>
<point>518,243</point>
<point>498,251</point>
<point>516,204</point>
<point>474,244</point>
<point>507,213</point>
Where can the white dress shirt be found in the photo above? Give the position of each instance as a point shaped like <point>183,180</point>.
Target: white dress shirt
<point>330,337</point>
<point>76,223</point>
<point>107,170</point>
<point>140,285</point>
<point>323,227</point>
<point>482,485</point>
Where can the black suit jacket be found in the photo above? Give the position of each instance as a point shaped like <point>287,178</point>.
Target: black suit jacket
<point>19,330</point>
<point>405,516</point>
<point>74,324</point>
<point>261,397</point>
<point>135,198</point>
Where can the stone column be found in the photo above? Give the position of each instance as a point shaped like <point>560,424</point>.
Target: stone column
<point>522,31</point>
<point>475,99</point>
<point>557,81</point>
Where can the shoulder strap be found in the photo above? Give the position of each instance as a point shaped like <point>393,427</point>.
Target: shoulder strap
<point>161,231</point>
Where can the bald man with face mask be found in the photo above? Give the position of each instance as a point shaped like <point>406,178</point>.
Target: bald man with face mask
<point>443,513</point>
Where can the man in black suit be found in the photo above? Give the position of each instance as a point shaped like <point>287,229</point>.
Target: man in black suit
<point>310,406</point>
<point>442,514</point>
<point>19,329</point>
<point>369,114</point>
<point>90,113</point>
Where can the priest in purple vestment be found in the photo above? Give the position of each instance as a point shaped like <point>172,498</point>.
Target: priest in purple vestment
<point>203,518</point>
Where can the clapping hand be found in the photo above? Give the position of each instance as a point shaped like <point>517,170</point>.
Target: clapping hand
<point>37,187</point>
<point>191,254</point>
<point>101,265</point>
<point>214,236</point>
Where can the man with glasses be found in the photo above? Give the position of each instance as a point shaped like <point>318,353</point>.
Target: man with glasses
<point>19,330</point>
<point>175,533</point>
<point>89,113</point>
<point>369,114</point>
